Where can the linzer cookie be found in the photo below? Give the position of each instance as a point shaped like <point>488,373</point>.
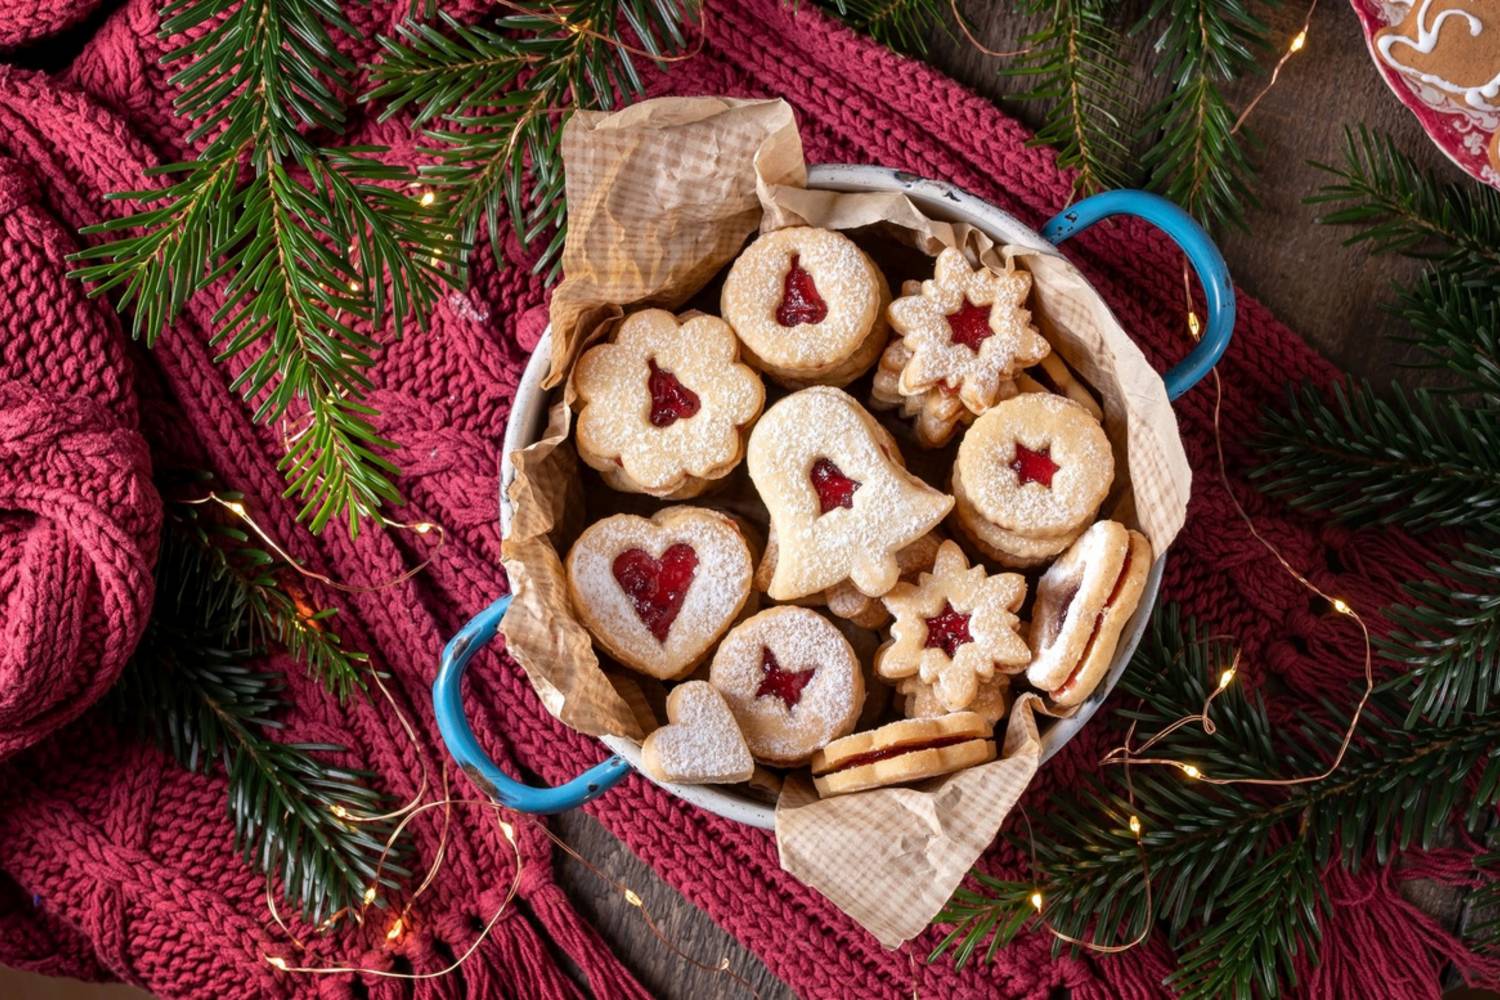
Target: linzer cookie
<point>909,750</point>
<point>792,681</point>
<point>656,594</point>
<point>1029,477</point>
<point>1082,604</point>
<point>846,600</point>
<point>841,502</point>
<point>665,407</point>
<point>808,305</point>
<point>954,628</point>
<point>701,742</point>
<point>967,331</point>
<point>920,701</point>
<point>1053,375</point>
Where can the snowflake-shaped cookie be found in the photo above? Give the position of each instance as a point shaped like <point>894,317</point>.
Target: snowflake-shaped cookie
<point>967,329</point>
<point>666,403</point>
<point>955,627</point>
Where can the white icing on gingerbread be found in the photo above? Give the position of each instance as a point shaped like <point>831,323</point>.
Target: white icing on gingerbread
<point>664,402</point>
<point>841,502</point>
<point>1421,33</point>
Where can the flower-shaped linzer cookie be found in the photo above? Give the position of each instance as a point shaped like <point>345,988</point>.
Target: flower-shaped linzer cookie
<point>968,330</point>
<point>955,627</point>
<point>666,407</point>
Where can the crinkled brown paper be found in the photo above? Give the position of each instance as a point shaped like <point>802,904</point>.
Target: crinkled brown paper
<point>661,196</point>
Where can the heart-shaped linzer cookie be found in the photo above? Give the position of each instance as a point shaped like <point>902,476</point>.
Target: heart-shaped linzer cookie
<point>702,744</point>
<point>657,594</point>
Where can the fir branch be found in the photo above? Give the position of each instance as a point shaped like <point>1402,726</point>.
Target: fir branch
<point>496,99</point>
<point>192,687</point>
<point>1235,874</point>
<point>1399,208</point>
<point>313,249</point>
<point>1196,158</point>
<point>1072,63</point>
<point>1456,329</point>
<point>1411,458</point>
<point>902,25</point>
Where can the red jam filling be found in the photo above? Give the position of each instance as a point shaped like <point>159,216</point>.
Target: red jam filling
<point>970,326</point>
<point>800,301</point>
<point>1034,466</point>
<point>833,487</point>
<point>1098,621</point>
<point>1062,614</point>
<point>657,586</point>
<point>948,631</point>
<point>900,749</point>
<point>784,684</point>
<point>671,401</point>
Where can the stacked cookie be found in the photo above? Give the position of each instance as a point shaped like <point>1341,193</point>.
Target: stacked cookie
<point>791,611</point>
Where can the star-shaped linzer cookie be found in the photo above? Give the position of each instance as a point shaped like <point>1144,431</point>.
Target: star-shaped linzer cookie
<point>955,627</point>
<point>968,331</point>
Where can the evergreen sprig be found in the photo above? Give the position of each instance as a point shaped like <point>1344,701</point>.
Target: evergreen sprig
<point>902,25</point>
<point>1072,64</point>
<point>1235,873</point>
<point>313,250</point>
<point>494,100</point>
<point>193,686</point>
<point>1455,326</point>
<point>1196,158</point>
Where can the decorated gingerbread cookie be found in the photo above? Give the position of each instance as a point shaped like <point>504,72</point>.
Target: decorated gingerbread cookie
<point>1082,604</point>
<point>1453,45</point>
<point>791,680</point>
<point>968,329</point>
<point>909,750</point>
<point>656,594</point>
<point>920,701</point>
<point>665,406</point>
<point>1030,475</point>
<point>808,305</point>
<point>842,504</point>
<point>954,628</point>
<point>701,742</point>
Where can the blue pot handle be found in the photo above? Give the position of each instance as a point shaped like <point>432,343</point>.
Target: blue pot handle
<point>1218,290</point>
<point>447,702</point>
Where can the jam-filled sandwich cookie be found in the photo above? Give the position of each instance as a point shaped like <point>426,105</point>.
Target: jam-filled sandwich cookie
<point>701,743</point>
<point>656,594</point>
<point>792,681</point>
<point>968,331</point>
<point>954,628</point>
<point>898,752</point>
<point>665,406</point>
<point>1082,604</point>
<point>1030,475</point>
<point>842,503</point>
<point>937,413</point>
<point>846,600</point>
<point>920,701</point>
<point>808,305</point>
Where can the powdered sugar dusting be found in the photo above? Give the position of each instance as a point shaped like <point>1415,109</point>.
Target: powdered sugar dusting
<point>1070,597</point>
<point>702,743</point>
<point>719,588</point>
<point>799,638</point>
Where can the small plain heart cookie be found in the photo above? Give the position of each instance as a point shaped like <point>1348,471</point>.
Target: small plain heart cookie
<point>702,744</point>
<point>657,594</point>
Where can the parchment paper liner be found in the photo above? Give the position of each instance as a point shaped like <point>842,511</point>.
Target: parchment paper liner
<point>661,196</point>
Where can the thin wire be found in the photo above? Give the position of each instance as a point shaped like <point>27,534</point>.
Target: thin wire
<point>587,31</point>
<point>963,25</point>
<point>1298,41</point>
<point>1039,900</point>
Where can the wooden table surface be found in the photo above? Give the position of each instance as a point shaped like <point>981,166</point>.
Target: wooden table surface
<point>1330,294</point>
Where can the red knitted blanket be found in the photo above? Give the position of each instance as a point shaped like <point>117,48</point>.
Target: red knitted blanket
<point>114,863</point>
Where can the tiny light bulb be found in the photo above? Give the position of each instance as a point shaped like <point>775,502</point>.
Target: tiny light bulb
<point>632,898</point>
<point>236,507</point>
<point>1298,40</point>
<point>1341,607</point>
<point>508,830</point>
<point>427,198</point>
<point>1191,771</point>
<point>355,286</point>
<point>276,962</point>
<point>369,896</point>
<point>1135,825</point>
<point>396,929</point>
<point>1036,901</point>
<point>337,809</point>
<point>1226,678</point>
<point>422,527</point>
<point>1194,327</point>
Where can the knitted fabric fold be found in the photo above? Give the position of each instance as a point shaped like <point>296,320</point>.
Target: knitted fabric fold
<point>122,864</point>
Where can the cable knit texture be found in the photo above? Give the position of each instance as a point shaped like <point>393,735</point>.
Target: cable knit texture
<point>116,864</point>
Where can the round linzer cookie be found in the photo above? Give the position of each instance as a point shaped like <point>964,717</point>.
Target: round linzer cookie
<point>920,701</point>
<point>1082,604</point>
<point>1030,474</point>
<point>792,681</point>
<point>909,750</point>
<point>955,628</point>
<point>841,502</point>
<point>701,743</point>
<point>808,305</point>
<point>665,406</point>
<point>967,330</point>
<point>656,594</point>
